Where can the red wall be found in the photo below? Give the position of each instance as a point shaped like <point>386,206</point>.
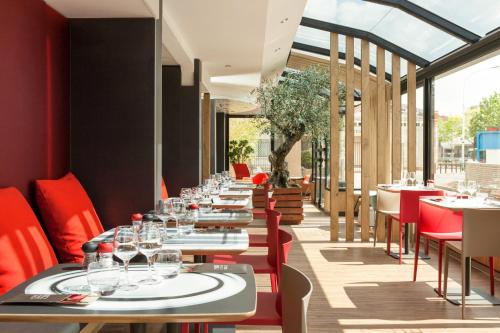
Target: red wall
<point>34,93</point>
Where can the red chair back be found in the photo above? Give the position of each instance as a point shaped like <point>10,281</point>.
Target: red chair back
<point>267,188</point>
<point>260,178</point>
<point>409,204</point>
<point>273,218</point>
<point>272,203</point>
<point>241,170</point>
<point>285,242</point>
<point>438,220</point>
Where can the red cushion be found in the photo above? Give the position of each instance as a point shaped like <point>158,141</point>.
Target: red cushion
<point>68,215</point>
<point>164,192</point>
<point>259,263</point>
<point>260,178</point>
<point>257,240</point>
<point>266,313</point>
<point>25,250</point>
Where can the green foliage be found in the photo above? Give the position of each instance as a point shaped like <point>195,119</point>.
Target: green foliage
<point>306,159</point>
<point>239,151</point>
<point>450,129</point>
<point>298,105</point>
<point>488,114</point>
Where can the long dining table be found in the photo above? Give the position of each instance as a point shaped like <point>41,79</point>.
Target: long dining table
<point>438,210</point>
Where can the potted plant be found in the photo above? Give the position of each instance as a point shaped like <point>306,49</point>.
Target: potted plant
<point>297,106</point>
<point>239,153</point>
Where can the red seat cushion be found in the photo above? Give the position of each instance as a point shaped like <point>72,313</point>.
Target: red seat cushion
<point>25,250</point>
<point>259,263</point>
<point>68,215</point>
<point>267,311</point>
<point>259,213</point>
<point>443,235</point>
<point>257,240</point>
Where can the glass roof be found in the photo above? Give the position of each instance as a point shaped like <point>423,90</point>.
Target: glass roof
<point>399,27</point>
<point>479,17</point>
<point>387,22</point>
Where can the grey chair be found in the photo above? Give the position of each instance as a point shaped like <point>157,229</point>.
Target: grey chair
<point>481,228</point>
<point>296,290</point>
<point>387,204</point>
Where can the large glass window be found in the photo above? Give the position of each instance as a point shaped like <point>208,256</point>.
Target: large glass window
<point>467,125</point>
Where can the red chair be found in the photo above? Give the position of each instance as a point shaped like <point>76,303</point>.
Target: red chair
<point>408,213</point>
<point>260,213</point>
<point>164,192</point>
<point>241,170</point>
<point>305,186</point>
<point>438,224</point>
<point>280,243</point>
<point>271,221</point>
<point>287,308</point>
<point>260,178</point>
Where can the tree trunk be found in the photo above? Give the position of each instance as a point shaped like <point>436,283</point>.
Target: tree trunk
<point>280,175</point>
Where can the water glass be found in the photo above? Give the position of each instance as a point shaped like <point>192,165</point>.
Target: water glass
<point>460,187</point>
<point>412,177</point>
<point>186,224</point>
<point>205,205</point>
<point>404,178</point>
<point>125,247</point>
<point>103,278</point>
<point>471,187</point>
<point>168,263</point>
<point>150,243</point>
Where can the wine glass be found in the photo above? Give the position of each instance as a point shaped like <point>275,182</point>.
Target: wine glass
<point>460,187</point>
<point>125,248</point>
<point>412,177</point>
<point>149,244</point>
<point>472,187</point>
<point>404,178</point>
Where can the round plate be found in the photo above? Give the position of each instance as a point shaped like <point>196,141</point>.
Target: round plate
<point>187,289</point>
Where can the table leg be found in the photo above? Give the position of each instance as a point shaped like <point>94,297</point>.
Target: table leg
<point>468,265</point>
<point>199,259</point>
<point>407,238</point>
<point>138,328</point>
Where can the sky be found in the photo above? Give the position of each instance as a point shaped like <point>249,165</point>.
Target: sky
<point>466,87</point>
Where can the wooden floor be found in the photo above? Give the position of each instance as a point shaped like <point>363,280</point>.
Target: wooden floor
<point>358,288</point>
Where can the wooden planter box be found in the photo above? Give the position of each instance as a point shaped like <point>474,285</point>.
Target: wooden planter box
<point>288,202</point>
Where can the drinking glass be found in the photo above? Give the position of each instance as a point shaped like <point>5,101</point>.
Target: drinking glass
<point>412,177</point>
<point>125,248</point>
<point>186,223</point>
<point>186,193</point>
<point>149,244</point>
<point>178,206</point>
<point>460,187</point>
<point>168,263</point>
<point>205,205</point>
<point>404,178</point>
<point>103,278</point>
<point>471,187</point>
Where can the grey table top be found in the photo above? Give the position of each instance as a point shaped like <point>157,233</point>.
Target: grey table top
<point>216,297</point>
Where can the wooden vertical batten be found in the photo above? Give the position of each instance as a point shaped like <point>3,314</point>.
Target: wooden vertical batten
<point>349,139</point>
<point>365,139</point>
<point>334,137</point>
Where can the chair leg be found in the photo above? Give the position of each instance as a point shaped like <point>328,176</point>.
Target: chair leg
<point>492,276</point>
<point>205,328</point>
<point>415,261</point>
<point>197,328</point>
<point>274,283</point>
<point>463,285</point>
<point>445,271</point>
<point>400,243</point>
<point>389,235</point>
<point>375,230</point>
<point>426,246</point>
<point>440,264</point>
<point>185,328</point>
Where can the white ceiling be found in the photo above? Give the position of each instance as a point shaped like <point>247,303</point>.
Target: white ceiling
<point>238,41</point>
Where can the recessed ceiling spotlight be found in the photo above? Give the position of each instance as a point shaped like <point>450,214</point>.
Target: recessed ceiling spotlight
<point>284,20</point>
<point>276,50</point>
<point>228,66</point>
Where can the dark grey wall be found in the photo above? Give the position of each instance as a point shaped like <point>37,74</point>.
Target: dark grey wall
<point>181,125</point>
<point>220,141</point>
<point>213,140</point>
<point>112,114</point>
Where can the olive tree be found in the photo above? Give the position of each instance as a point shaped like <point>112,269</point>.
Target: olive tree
<point>296,106</point>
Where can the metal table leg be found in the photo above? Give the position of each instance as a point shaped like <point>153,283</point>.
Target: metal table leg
<point>468,265</point>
